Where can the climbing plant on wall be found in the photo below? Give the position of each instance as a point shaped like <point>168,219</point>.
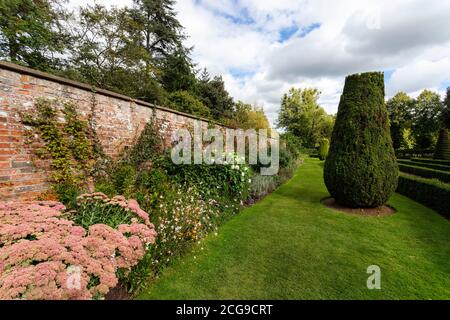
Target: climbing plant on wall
<point>66,141</point>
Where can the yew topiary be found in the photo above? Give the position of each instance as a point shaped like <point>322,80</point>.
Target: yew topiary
<point>443,146</point>
<point>361,168</point>
<point>324,147</point>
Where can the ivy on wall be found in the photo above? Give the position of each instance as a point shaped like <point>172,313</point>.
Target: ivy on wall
<point>68,142</point>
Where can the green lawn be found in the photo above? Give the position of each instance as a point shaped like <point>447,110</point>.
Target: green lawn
<point>289,246</point>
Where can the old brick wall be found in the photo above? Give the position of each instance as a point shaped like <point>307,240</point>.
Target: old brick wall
<point>117,119</point>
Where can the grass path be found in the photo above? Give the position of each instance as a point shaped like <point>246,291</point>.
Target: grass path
<point>289,246</point>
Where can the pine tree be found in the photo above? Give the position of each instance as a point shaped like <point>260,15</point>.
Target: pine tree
<point>161,28</point>
<point>361,169</point>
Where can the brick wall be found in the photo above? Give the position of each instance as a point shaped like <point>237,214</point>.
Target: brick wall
<point>117,119</point>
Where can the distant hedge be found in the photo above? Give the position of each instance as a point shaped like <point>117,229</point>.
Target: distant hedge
<point>414,153</point>
<point>428,165</point>
<point>442,162</point>
<point>429,192</point>
<point>425,172</point>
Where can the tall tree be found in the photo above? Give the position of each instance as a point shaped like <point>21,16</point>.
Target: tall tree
<point>108,53</point>
<point>31,33</point>
<point>161,29</point>
<point>213,94</point>
<point>426,119</point>
<point>177,71</point>
<point>301,115</point>
<point>399,109</point>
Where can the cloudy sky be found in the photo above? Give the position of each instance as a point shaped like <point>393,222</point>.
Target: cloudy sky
<point>264,47</point>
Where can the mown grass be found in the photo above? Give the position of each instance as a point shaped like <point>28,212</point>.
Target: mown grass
<point>289,246</point>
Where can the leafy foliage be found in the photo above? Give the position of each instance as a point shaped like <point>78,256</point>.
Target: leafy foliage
<point>177,71</point>
<point>301,115</point>
<point>68,146</point>
<point>162,32</point>
<point>426,116</point>
<point>31,33</point>
<point>324,146</point>
<point>399,108</point>
<point>213,94</point>
<point>246,116</point>
<point>185,102</point>
<point>361,169</point>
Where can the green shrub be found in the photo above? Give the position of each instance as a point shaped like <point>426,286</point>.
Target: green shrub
<point>425,172</point>
<point>230,182</point>
<point>184,219</point>
<point>443,146</point>
<point>263,185</point>
<point>123,178</point>
<point>293,144</point>
<point>149,147</point>
<point>429,192</point>
<point>361,169</point>
<point>323,148</point>
<point>67,193</point>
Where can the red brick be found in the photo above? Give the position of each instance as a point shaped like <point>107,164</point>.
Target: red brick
<point>17,133</point>
<point>7,152</point>
<point>5,165</point>
<point>8,139</point>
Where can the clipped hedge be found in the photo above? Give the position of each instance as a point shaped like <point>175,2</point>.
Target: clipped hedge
<point>425,160</point>
<point>425,172</point>
<point>429,192</point>
<point>415,153</point>
<point>425,165</point>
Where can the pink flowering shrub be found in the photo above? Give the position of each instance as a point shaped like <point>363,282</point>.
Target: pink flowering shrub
<point>45,256</point>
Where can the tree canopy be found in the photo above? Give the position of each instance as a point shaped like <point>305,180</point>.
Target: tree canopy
<point>32,33</point>
<point>301,115</point>
<point>137,50</point>
<point>399,109</point>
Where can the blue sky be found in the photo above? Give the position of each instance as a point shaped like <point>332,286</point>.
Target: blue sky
<point>264,47</point>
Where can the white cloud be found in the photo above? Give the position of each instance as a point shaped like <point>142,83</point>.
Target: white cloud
<point>240,39</point>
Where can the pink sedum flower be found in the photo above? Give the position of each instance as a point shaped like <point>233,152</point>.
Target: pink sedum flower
<point>44,256</point>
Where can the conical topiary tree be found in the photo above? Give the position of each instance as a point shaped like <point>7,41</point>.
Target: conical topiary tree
<point>361,168</point>
<point>443,146</point>
<point>324,146</point>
